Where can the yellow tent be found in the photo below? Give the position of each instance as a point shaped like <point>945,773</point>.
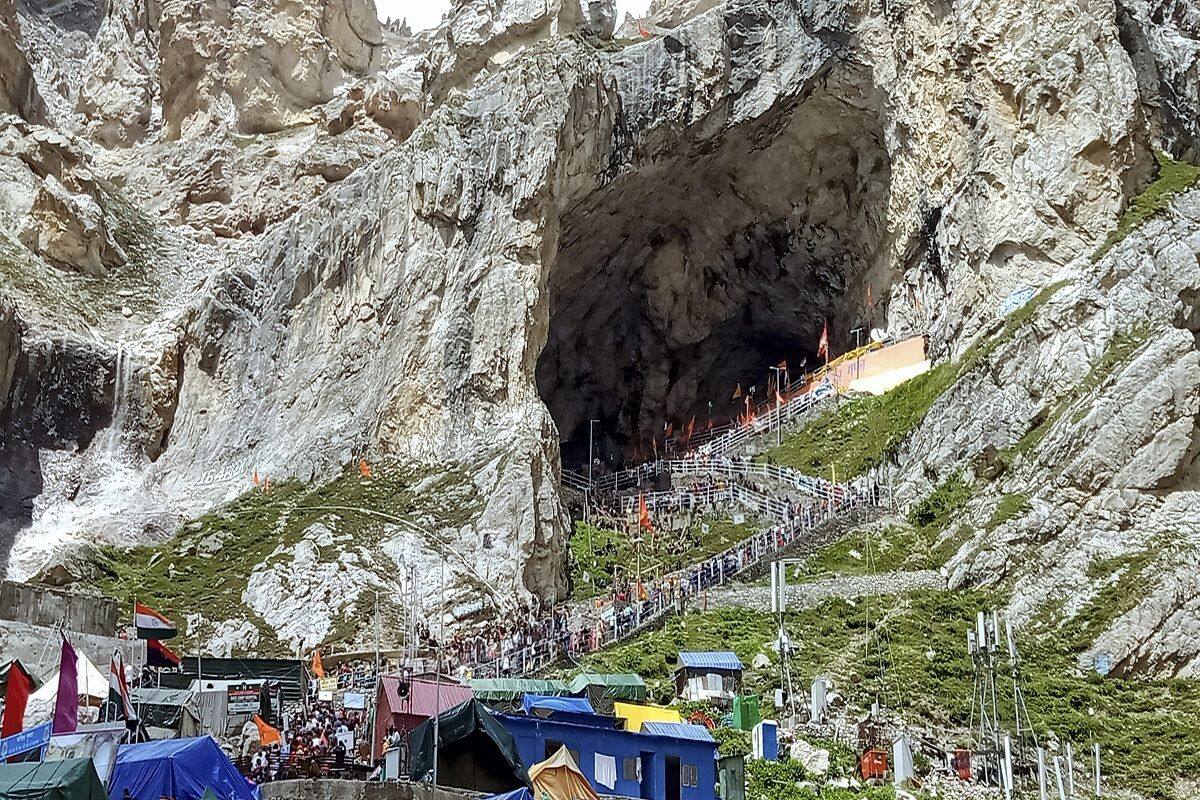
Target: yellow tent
<point>559,778</point>
<point>635,715</point>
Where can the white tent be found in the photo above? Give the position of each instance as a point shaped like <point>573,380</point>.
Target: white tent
<point>93,691</point>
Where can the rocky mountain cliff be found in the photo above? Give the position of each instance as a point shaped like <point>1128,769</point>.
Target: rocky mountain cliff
<point>272,242</point>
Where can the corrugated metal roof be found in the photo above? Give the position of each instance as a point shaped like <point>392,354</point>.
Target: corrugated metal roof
<point>678,730</point>
<point>710,660</point>
<point>425,697</point>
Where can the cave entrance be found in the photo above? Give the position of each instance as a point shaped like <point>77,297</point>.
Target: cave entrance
<point>692,276</point>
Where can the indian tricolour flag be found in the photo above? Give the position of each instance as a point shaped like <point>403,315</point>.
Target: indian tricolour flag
<point>151,624</point>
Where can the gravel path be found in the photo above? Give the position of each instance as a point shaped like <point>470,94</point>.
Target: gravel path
<point>810,595</point>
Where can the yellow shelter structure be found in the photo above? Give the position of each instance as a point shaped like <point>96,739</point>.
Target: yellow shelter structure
<point>635,715</point>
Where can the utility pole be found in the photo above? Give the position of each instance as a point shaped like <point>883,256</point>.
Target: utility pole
<point>778,405</point>
<point>591,445</point>
<point>437,680</point>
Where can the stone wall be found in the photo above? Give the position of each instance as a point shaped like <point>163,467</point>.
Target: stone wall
<point>330,789</point>
<point>36,605</point>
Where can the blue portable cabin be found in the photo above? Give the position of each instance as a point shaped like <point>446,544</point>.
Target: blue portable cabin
<point>666,761</point>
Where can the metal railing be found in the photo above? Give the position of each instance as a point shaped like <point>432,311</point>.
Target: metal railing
<point>617,617</point>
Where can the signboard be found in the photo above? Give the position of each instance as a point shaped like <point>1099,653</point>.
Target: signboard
<point>325,696</point>
<point>243,698</point>
<point>354,701</point>
<point>25,741</point>
<point>328,684</point>
<point>739,518</point>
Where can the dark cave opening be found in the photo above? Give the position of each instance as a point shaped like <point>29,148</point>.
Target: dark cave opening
<point>691,277</point>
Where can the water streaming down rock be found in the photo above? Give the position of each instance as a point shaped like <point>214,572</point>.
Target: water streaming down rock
<point>115,438</point>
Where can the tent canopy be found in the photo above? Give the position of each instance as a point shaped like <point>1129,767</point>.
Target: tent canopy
<point>514,688</point>
<point>92,684</point>
<point>516,794</point>
<point>72,779</point>
<point>539,702</point>
<point>559,778</point>
<point>620,686</point>
<point>475,751</point>
<point>182,769</point>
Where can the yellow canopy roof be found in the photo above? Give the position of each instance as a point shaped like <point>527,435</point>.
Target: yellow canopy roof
<point>636,715</point>
<point>559,778</point>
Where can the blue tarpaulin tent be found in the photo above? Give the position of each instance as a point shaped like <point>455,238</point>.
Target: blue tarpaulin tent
<point>578,705</point>
<point>516,794</point>
<point>181,769</point>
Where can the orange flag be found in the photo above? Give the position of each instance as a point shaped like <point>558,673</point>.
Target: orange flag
<point>644,513</point>
<point>363,468</point>
<point>737,392</point>
<point>642,30</point>
<point>267,735</point>
<point>318,668</point>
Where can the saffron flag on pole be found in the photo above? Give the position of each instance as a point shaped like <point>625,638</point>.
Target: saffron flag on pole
<point>737,392</point>
<point>159,655</point>
<point>318,668</point>
<point>267,735</point>
<point>118,688</point>
<point>152,625</point>
<point>823,346</point>
<point>644,513</point>
<point>16,696</point>
<point>66,703</point>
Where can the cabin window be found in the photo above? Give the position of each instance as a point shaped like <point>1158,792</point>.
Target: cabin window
<point>689,775</point>
<point>629,769</point>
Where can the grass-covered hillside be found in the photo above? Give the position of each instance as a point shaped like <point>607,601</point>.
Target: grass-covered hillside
<point>205,568</point>
<point>596,552</point>
<point>909,652</point>
<point>861,432</point>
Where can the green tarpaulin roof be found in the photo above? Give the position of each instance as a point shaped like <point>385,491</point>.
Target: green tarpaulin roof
<point>619,686</point>
<point>515,688</point>
<point>70,779</point>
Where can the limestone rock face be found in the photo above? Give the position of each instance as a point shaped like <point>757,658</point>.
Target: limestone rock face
<point>18,91</point>
<point>312,242</point>
<point>259,67</point>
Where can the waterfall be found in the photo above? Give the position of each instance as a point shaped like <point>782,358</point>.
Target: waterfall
<point>122,383</point>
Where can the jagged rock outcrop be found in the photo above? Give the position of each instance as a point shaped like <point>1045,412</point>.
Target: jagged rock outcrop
<point>18,91</point>
<point>450,254</point>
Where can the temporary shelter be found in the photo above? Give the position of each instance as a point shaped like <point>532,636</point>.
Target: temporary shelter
<point>708,676</point>
<point>92,685</point>
<point>602,690</point>
<point>513,689</point>
<point>182,769</point>
<point>559,778</point>
<point>73,779</point>
<point>96,742</point>
<point>666,761</point>
<point>516,794</point>
<point>406,703</point>
<point>545,706</point>
<point>635,715</point>
<point>474,751</point>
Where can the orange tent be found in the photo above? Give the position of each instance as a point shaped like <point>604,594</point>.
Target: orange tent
<point>559,778</point>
